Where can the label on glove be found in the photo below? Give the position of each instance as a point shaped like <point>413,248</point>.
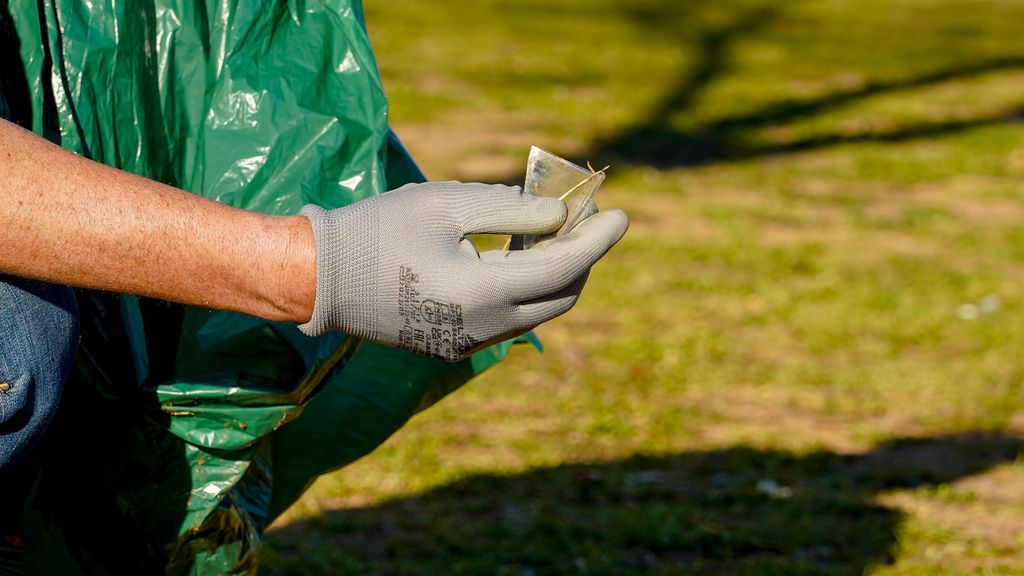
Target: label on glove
<point>430,327</point>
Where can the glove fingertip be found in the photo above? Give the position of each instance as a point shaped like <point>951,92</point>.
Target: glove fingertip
<point>548,211</point>
<point>619,219</point>
<point>611,224</point>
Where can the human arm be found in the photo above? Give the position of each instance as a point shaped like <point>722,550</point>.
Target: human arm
<point>69,220</point>
<point>396,268</point>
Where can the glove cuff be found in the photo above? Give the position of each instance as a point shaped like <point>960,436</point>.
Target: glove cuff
<point>346,270</point>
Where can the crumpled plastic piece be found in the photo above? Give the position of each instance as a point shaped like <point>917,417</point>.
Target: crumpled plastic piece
<point>555,177</point>
<point>184,432</point>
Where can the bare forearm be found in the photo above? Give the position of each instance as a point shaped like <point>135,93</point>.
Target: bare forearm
<point>68,220</point>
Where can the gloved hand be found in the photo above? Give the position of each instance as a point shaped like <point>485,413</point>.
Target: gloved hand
<point>398,269</point>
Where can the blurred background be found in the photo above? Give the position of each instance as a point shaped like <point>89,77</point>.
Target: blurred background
<point>807,355</point>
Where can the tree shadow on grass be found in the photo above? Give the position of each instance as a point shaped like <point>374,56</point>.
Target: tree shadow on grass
<point>734,511</point>
<point>654,141</point>
<point>659,142</point>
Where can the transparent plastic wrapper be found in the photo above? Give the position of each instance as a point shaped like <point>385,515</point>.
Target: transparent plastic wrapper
<point>555,177</point>
<point>184,431</point>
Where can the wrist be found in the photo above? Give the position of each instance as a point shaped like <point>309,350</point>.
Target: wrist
<point>286,282</point>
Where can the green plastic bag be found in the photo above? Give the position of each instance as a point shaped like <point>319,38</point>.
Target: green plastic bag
<point>184,431</point>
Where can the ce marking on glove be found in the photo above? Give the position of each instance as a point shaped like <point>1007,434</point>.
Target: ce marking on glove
<point>435,313</point>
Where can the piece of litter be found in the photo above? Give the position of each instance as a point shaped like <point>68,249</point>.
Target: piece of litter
<point>773,489</point>
<point>988,304</point>
<point>551,176</point>
<point>967,312</point>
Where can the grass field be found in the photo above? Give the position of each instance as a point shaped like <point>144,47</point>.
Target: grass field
<point>807,355</point>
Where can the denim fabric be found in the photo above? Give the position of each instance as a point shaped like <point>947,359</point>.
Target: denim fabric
<point>38,339</point>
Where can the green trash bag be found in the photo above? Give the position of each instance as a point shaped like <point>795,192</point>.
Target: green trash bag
<point>185,431</point>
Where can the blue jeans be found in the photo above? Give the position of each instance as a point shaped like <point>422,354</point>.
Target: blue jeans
<point>38,340</point>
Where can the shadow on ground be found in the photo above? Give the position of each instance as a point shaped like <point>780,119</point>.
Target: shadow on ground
<point>655,142</point>
<point>733,511</point>
<point>661,141</point>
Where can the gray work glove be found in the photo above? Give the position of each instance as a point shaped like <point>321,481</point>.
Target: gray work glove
<point>398,269</point>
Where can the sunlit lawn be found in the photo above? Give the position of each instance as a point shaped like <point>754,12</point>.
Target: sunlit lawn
<point>806,357</point>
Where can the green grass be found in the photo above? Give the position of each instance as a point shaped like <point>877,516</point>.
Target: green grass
<point>778,370</point>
